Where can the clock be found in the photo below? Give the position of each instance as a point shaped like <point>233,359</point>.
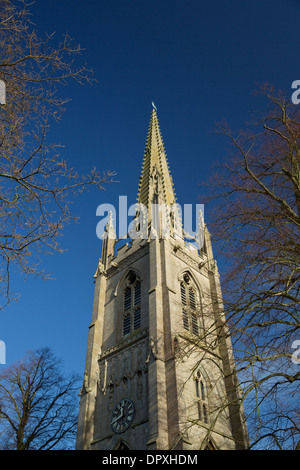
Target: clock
<point>122,415</point>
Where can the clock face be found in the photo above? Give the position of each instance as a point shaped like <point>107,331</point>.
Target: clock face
<point>122,415</point>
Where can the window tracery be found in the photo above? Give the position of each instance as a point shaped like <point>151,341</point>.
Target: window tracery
<point>201,397</point>
<point>131,304</point>
<point>191,305</point>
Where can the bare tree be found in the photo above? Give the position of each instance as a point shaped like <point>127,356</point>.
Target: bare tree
<point>36,185</point>
<point>38,404</point>
<point>257,227</point>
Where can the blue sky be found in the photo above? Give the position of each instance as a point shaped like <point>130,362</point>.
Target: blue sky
<point>199,61</point>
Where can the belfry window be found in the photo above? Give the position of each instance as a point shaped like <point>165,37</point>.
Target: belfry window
<point>126,324</point>
<point>131,304</point>
<point>190,305</point>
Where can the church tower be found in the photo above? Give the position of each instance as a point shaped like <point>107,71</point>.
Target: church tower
<point>159,371</point>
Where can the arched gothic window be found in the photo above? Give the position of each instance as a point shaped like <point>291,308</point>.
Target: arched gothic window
<point>201,397</point>
<point>131,304</point>
<point>209,446</point>
<point>122,446</point>
<point>191,307</point>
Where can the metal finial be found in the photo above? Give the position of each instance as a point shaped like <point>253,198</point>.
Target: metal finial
<point>154,106</point>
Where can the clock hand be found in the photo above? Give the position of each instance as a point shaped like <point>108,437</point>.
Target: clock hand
<point>119,416</point>
<point>116,419</point>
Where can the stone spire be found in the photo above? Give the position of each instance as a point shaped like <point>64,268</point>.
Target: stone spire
<point>156,184</point>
